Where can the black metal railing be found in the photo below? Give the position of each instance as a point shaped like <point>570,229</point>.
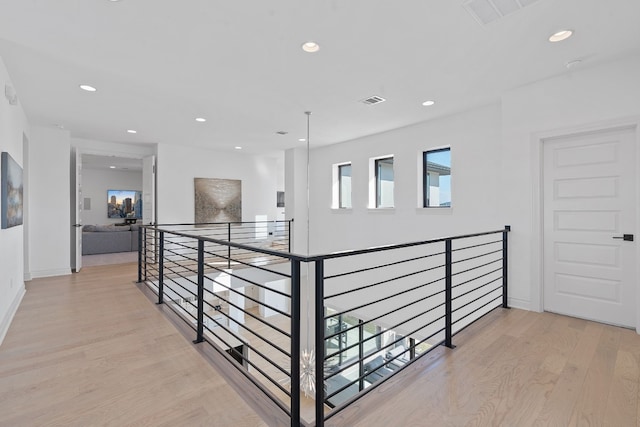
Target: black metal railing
<point>368,313</point>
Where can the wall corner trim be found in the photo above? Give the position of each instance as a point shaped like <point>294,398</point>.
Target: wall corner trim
<point>13,308</point>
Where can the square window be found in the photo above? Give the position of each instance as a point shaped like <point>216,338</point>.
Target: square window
<point>437,178</point>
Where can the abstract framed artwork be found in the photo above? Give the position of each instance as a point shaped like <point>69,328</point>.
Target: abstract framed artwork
<point>218,200</point>
<point>11,191</point>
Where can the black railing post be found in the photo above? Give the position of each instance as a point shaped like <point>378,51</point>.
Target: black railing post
<point>289,232</point>
<point>161,270</point>
<point>361,354</point>
<point>505,266</point>
<point>200,328</point>
<point>140,254</point>
<point>320,352</point>
<point>447,293</point>
<point>146,255</point>
<point>229,246</point>
<point>295,343</point>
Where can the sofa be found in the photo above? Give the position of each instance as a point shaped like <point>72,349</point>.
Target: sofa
<point>106,239</point>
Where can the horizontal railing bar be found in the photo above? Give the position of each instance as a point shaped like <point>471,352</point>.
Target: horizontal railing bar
<point>342,254</point>
<point>246,374</point>
<point>240,338</point>
<point>474,311</point>
<point>404,276</point>
<point>398,246</point>
<point>477,246</point>
<point>368,373</point>
<point>339,313</point>
<point>392,311</point>
<point>257,368</point>
<point>264,322</point>
<point>476,278</point>
<point>380,266</point>
<point>477,256</point>
<point>476,267</point>
<point>476,288</point>
<point>245,280</point>
<point>260,337</point>
<point>381,332</point>
<point>472,301</point>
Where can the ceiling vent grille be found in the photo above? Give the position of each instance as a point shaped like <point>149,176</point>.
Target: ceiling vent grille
<point>282,132</point>
<point>487,11</point>
<point>373,100</point>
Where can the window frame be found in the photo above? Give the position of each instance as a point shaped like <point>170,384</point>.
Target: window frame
<point>340,194</point>
<point>425,178</point>
<point>378,180</point>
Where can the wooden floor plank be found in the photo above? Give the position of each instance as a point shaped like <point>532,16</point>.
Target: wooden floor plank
<point>92,349</point>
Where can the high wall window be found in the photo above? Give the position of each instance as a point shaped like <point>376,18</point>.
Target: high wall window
<point>384,182</point>
<point>437,178</point>
<point>344,186</point>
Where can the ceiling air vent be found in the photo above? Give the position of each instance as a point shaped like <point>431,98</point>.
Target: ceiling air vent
<point>373,100</point>
<point>487,11</point>
<point>282,132</point>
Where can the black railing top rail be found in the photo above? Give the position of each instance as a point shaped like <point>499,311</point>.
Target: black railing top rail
<point>171,224</point>
<point>311,258</point>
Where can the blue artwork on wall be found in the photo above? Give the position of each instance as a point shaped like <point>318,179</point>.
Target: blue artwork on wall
<point>11,191</point>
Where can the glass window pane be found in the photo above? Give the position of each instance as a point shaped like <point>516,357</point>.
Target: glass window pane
<point>344,175</point>
<point>384,183</point>
<point>437,178</point>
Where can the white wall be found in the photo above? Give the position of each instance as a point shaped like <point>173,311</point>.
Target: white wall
<point>584,98</point>
<point>49,201</point>
<point>178,166</point>
<point>96,182</point>
<point>493,169</point>
<point>13,124</point>
<point>474,138</point>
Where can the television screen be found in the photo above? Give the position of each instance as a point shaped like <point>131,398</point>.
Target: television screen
<point>124,204</point>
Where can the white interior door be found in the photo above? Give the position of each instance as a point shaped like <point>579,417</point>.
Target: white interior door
<point>76,211</point>
<point>589,204</point>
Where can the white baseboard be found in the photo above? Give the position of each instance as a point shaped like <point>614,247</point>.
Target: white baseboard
<point>13,308</point>
<point>520,303</point>
<point>50,273</point>
<point>27,277</point>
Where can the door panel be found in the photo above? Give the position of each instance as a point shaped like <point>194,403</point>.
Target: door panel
<point>589,198</point>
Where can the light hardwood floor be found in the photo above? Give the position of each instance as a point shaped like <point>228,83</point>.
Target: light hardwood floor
<point>515,368</point>
<point>91,349</point>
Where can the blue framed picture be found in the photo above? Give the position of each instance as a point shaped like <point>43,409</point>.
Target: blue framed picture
<point>11,191</point>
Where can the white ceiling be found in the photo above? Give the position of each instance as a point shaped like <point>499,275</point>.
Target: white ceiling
<point>158,64</point>
<point>91,161</point>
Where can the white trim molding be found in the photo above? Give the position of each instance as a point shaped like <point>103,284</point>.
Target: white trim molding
<point>13,308</point>
<point>50,273</point>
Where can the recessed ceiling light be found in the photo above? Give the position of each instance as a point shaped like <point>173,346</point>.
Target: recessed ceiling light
<point>428,103</point>
<point>238,148</point>
<point>88,88</point>
<point>112,167</point>
<point>311,47</point>
<point>59,126</point>
<point>132,131</point>
<point>560,35</point>
<point>200,119</point>
<point>302,139</point>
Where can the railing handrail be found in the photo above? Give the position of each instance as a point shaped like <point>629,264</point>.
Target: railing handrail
<point>332,255</point>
